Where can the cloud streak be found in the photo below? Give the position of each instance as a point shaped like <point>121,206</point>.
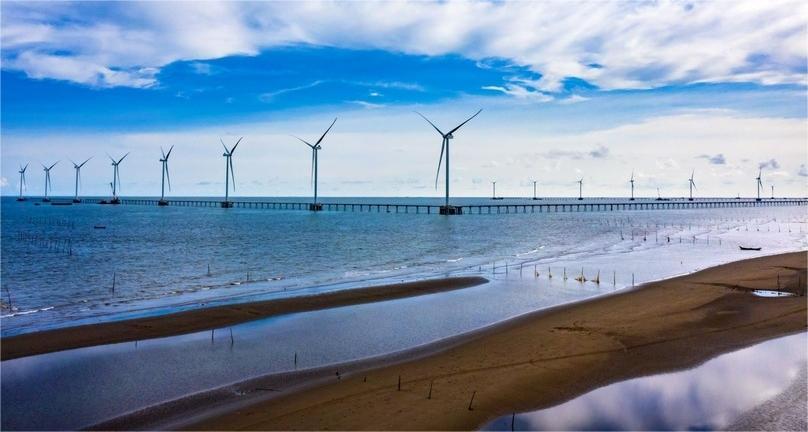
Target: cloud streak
<point>626,45</point>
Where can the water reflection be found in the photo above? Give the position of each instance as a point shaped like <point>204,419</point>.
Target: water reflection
<point>708,397</point>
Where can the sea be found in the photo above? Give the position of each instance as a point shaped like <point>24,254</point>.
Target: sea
<point>77,264</point>
<point>87,263</point>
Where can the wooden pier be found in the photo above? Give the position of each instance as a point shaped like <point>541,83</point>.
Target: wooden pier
<point>552,206</point>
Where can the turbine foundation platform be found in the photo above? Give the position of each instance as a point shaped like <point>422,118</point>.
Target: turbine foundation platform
<point>451,210</point>
<point>22,199</point>
<point>45,199</point>
<point>315,207</point>
<point>227,204</point>
<point>76,200</point>
<point>115,200</point>
<point>162,203</point>
<point>536,198</point>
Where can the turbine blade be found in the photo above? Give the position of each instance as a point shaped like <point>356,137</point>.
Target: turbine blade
<point>74,163</point>
<point>169,153</point>
<point>433,124</point>
<point>236,145</point>
<point>303,141</point>
<point>124,157</point>
<point>88,159</point>
<point>326,131</point>
<point>54,164</point>
<point>232,172</point>
<point>25,168</point>
<point>162,152</point>
<point>110,158</point>
<point>467,120</point>
<point>225,147</point>
<point>440,160</point>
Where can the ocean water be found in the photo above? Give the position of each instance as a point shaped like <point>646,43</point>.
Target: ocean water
<point>59,270</point>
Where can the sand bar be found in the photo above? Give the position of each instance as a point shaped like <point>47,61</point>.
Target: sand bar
<point>539,359</point>
<point>216,317</point>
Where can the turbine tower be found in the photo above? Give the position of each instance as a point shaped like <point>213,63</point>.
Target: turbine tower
<point>116,178</point>
<point>692,184</point>
<point>446,209</point>
<point>165,175</point>
<point>48,180</point>
<point>534,191</point>
<point>759,183</point>
<point>772,191</point>
<point>22,181</point>
<point>315,148</point>
<point>632,186</point>
<point>581,188</point>
<point>494,192</point>
<point>229,172</point>
<point>77,167</point>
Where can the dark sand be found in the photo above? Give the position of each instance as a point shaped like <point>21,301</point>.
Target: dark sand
<point>215,317</point>
<point>533,361</point>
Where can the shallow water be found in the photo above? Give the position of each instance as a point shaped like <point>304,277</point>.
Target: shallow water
<point>58,270</point>
<point>710,396</point>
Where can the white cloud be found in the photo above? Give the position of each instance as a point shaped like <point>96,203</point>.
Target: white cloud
<point>610,44</point>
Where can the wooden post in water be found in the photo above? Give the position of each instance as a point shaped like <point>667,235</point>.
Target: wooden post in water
<point>399,383</point>
<point>471,402</point>
<point>429,396</point>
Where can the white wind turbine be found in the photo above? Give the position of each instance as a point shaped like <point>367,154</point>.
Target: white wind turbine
<point>632,186</point>
<point>165,175</point>
<point>47,180</point>
<point>116,178</point>
<point>77,167</point>
<point>229,172</point>
<point>446,209</point>
<point>581,188</point>
<point>534,190</point>
<point>315,148</point>
<point>692,184</point>
<point>22,181</point>
<point>772,191</point>
<point>759,183</point>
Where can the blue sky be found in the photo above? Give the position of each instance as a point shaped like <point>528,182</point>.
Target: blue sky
<point>591,89</point>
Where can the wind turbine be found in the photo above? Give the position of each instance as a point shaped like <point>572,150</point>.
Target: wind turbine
<point>632,186</point>
<point>47,180</point>
<point>534,191</point>
<point>22,181</point>
<point>164,161</point>
<point>315,148</point>
<point>772,191</point>
<point>229,172</point>
<point>446,209</point>
<point>77,167</point>
<point>494,195</point>
<point>692,185</point>
<point>116,178</point>
<point>581,188</point>
<point>759,183</point>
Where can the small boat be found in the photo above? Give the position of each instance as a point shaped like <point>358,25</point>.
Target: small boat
<point>100,226</point>
<point>749,248</point>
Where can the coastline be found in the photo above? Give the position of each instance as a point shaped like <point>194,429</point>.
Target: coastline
<point>137,329</point>
<point>533,361</point>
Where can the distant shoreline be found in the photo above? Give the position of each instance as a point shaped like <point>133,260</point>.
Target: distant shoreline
<point>42,342</point>
<point>537,360</point>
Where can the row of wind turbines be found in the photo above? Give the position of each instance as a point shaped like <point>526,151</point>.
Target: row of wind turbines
<point>315,148</point>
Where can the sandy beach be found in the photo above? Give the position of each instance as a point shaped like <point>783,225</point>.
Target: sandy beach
<point>216,317</point>
<point>536,360</point>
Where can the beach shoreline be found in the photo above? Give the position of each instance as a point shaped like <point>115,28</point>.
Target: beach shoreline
<point>533,361</point>
<point>190,321</point>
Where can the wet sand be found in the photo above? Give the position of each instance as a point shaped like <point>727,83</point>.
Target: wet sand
<point>530,362</point>
<point>215,317</point>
